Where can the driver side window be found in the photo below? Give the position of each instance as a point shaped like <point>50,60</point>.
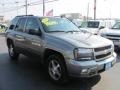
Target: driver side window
<point>32,24</point>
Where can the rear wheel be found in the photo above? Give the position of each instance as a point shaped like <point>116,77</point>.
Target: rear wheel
<point>56,69</point>
<point>12,53</point>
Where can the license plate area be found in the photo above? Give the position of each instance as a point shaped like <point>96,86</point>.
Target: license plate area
<point>108,65</point>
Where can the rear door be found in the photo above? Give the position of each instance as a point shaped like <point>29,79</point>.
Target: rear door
<point>19,34</point>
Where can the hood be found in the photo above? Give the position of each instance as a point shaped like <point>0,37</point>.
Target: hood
<point>112,32</point>
<point>79,39</point>
<point>91,30</point>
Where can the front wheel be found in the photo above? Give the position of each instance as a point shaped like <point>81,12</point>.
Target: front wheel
<point>12,53</point>
<point>56,69</point>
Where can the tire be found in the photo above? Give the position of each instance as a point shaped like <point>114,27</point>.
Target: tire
<point>56,69</point>
<point>12,53</point>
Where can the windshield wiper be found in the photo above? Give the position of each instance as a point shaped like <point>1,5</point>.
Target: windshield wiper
<point>56,31</point>
<point>63,31</point>
<point>71,31</point>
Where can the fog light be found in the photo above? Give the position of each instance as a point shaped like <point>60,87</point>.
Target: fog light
<point>84,71</point>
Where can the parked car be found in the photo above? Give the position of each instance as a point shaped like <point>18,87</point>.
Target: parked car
<point>63,49</point>
<point>113,34</point>
<point>92,26</point>
<point>2,28</point>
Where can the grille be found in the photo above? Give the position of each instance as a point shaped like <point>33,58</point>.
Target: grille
<point>103,55</point>
<point>114,39</point>
<point>102,52</point>
<point>113,35</point>
<point>102,48</point>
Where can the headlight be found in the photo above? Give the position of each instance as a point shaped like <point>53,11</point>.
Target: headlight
<point>103,35</point>
<point>113,48</point>
<point>83,54</point>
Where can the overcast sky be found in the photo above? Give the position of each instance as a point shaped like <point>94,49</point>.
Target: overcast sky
<point>105,8</point>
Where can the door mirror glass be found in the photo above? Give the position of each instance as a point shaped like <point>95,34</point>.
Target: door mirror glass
<point>35,32</point>
<point>11,26</point>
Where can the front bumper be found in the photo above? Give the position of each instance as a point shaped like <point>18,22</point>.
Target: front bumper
<point>89,68</point>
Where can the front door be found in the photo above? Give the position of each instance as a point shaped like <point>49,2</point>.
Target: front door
<point>33,42</point>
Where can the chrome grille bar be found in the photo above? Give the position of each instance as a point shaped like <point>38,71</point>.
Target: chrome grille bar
<point>102,53</point>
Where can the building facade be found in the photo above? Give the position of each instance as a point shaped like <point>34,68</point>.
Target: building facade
<point>2,20</point>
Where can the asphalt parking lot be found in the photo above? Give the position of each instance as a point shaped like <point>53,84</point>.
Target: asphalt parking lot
<point>28,74</point>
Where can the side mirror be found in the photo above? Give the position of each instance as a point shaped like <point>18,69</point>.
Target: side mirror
<point>101,27</point>
<point>79,26</point>
<point>11,26</point>
<point>35,32</point>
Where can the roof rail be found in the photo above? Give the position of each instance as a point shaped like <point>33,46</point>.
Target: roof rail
<point>24,15</point>
<point>59,16</point>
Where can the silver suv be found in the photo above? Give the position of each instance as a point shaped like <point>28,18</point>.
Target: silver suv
<point>63,49</point>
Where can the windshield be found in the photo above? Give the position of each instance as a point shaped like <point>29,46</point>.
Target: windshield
<point>90,24</point>
<point>116,26</point>
<point>58,25</point>
<point>77,22</point>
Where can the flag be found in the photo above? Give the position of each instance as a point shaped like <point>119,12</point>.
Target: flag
<point>50,13</point>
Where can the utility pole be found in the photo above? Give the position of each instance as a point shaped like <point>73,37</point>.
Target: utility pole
<point>43,7</point>
<point>3,9</point>
<point>26,6</point>
<point>17,6</point>
<point>88,11</point>
<point>94,9</point>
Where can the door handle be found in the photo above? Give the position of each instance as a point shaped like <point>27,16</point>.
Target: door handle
<point>20,38</point>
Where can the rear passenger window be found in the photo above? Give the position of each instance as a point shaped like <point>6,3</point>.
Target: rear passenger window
<point>20,25</point>
<point>13,23</point>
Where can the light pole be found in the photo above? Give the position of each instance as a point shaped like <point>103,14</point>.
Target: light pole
<point>17,6</point>
<point>26,7</point>
<point>3,9</point>
<point>88,11</point>
<point>43,7</point>
<point>94,9</point>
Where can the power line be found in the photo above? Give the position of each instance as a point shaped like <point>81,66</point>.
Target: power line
<point>37,3</point>
<point>10,3</point>
<point>13,9</point>
<point>10,9</point>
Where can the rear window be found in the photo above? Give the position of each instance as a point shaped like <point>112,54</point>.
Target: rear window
<point>20,25</point>
<point>90,24</point>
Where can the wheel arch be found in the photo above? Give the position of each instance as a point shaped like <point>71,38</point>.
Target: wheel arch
<point>9,41</point>
<point>49,52</point>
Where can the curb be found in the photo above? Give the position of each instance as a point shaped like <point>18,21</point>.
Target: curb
<point>2,34</point>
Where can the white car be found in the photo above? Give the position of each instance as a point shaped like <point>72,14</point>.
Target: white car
<point>93,26</point>
<point>113,34</point>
